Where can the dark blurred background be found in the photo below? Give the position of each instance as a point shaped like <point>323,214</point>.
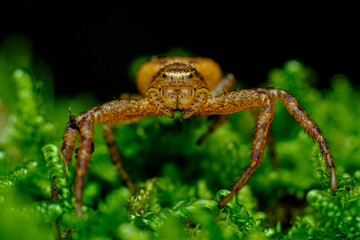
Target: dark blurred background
<point>89,47</point>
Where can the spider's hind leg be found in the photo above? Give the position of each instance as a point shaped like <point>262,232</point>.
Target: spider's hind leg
<point>115,157</point>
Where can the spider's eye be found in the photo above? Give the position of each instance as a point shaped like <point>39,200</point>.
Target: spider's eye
<point>190,75</point>
<point>164,75</point>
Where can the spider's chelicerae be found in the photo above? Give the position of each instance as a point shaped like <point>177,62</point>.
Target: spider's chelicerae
<point>194,86</point>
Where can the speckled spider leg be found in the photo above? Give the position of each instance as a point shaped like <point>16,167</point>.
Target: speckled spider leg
<point>237,101</point>
<point>227,84</point>
<point>270,140</point>
<point>110,112</point>
<point>299,114</point>
<point>244,99</point>
<point>223,118</point>
<point>115,157</point>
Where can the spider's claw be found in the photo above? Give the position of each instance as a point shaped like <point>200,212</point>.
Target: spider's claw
<point>72,121</point>
<point>157,98</point>
<point>168,113</point>
<point>187,114</point>
<point>200,97</point>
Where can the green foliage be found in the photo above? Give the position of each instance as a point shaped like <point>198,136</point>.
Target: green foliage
<point>179,182</point>
<point>54,162</point>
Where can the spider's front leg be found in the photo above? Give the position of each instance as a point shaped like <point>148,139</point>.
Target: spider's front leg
<point>237,101</point>
<point>240,100</point>
<point>299,114</point>
<point>110,112</point>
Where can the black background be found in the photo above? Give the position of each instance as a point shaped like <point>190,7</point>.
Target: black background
<point>89,47</point>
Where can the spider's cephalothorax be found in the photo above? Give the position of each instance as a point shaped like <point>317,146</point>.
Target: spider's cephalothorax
<point>195,86</point>
<point>175,88</point>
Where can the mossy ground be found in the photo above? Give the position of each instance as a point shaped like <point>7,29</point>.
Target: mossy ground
<point>180,181</point>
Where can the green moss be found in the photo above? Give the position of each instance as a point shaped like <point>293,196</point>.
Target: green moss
<point>180,182</point>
